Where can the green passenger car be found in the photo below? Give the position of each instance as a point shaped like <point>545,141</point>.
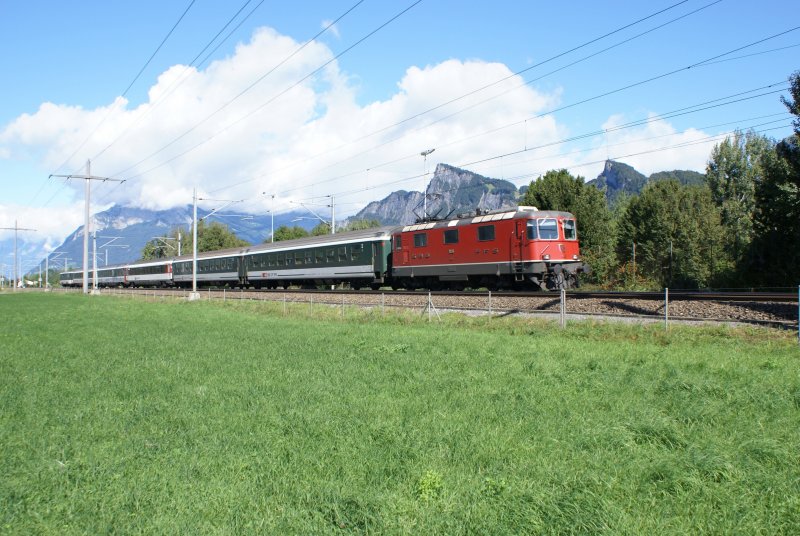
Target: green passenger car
<point>360,258</point>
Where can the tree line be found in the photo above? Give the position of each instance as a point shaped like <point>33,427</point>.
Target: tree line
<point>741,228</point>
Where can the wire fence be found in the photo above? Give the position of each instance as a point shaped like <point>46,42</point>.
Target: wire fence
<point>561,307</point>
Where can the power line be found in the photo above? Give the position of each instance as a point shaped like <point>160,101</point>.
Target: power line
<point>707,139</point>
<point>596,97</point>
<point>496,82</point>
<point>182,77</point>
<point>280,94</point>
<point>130,85</point>
<point>714,103</point>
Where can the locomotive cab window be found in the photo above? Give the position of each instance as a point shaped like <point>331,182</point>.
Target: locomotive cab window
<point>451,236</point>
<point>569,230</point>
<point>548,229</point>
<point>398,242</point>
<point>420,240</point>
<point>485,233</point>
<point>532,233</point>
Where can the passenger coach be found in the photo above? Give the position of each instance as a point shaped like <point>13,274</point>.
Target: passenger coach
<point>359,258</point>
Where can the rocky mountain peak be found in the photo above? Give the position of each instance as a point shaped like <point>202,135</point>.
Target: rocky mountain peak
<point>451,190</point>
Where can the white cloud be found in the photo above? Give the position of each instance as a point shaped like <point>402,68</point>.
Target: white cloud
<point>51,224</point>
<point>311,138</point>
<point>654,146</point>
<point>333,28</point>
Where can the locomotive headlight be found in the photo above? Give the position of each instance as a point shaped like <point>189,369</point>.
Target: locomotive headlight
<point>546,256</point>
<point>574,257</point>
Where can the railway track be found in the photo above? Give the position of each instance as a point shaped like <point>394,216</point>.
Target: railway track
<point>780,309</point>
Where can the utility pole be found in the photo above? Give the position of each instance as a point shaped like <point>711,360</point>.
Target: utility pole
<point>272,216</point>
<point>424,155</point>
<point>94,261</point>
<point>86,225</point>
<point>194,295</point>
<point>16,229</point>
<point>333,215</point>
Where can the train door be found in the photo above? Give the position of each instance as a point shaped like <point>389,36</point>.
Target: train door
<point>518,240</point>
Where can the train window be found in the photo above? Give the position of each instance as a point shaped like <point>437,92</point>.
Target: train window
<point>343,253</point>
<point>280,259</point>
<point>532,234</point>
<point>320,255</point>
<point>309,256</point>
<point>485,233</point>
<point>298,258</point>
<point>331,255</point>
<point>398,242</point>
<point>356,251</point>
<point>451,236</point>
<point>548,229</point>
<point>271,260</point>
<point>420,240</point>
<point>569,230</point>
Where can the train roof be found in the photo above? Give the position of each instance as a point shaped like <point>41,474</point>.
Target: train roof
<point>524,212</point>
<point>377,233</point>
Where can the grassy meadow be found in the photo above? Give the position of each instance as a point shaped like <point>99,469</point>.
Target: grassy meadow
<point>125,416</point>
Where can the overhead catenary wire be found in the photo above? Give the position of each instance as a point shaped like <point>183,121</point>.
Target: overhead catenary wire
<point>596,97</point>
<point>280,94</point>
<point>704,140</point>
<point>130,85</point>
<point>698,141</point>
<point>674,113</point>
<point>183,76</point>
<point>490,85</point>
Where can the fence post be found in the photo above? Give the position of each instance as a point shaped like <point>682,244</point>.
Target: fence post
<point>563,308</point>
<point>666,308</point>
<point>490,305</point>
<point>284,304</point>
<point>312,305</point>
<point>342,306</point>
<point>223,295</point>
<point>429,306</point>
<point>382,304</point>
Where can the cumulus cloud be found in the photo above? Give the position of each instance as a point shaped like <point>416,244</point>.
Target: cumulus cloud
<point>51,224</point>
<point>654,146</point>
<point>249,124</point>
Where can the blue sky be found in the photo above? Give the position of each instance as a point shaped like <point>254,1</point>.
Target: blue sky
<point>355,128</point>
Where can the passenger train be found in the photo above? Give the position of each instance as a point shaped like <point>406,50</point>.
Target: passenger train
<point>523,248</point>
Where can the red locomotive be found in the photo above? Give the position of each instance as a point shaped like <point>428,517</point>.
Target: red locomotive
<point>524,248</point>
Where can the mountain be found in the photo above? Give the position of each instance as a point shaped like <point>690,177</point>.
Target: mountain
<point>452,190</point>
<point>618,178</point>
<point>122,232</point>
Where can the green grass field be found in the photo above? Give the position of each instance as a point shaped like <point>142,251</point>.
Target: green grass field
<point>121,416</point>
